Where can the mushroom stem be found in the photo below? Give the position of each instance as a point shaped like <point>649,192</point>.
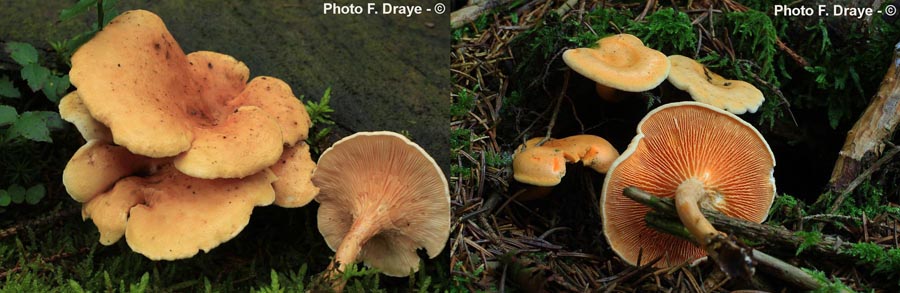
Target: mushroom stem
<point>608,94</point>
<point>361,231</point>
<point>687,198</point>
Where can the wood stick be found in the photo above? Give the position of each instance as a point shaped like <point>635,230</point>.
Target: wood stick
<point>765,262</point>
<point>865,140</point>
<point>665,219</point>
<point>470,13</point>
<point>778,240</point>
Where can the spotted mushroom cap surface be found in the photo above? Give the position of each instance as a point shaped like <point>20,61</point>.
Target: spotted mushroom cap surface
<point>384,171</point>
<point>676,142</point>
<point>294,187</point>
<point>705,86</point>
<point>621,62</point>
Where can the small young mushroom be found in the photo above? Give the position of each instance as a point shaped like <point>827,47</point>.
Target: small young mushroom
<point>705,86</point>
<point>158,102</point>
<point>701,155</point>
<point>545,165</point>
<point>619,62</point>
<point>382,197</point>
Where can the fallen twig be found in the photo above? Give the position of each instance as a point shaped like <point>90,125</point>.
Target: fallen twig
<point>51,217</point>
<point>470,13</point>
<point>862,177</point>
<point>865,140</point>
<point>778,239</point>
<point>663,221</point>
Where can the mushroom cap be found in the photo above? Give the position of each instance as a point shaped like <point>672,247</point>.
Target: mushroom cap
<point>386,173</point>
<point>294,187</point>
<point>96,167</point>
<point>591,150</point>
<point>247,140</point>
<point>276,98</point>
<point>170,215</point>
<point>539,166</point>
<point>158,102</point>
<point>620,61</point>
<point>72,109</point>
<point>675,142</point>
<point>545,165</point>
<point>705,86</point>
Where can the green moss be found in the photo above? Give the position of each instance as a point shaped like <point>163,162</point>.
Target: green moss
<point>810,239</point>
<point>829,285</point>
<point>885,261</point>
<point>464,102</point>
<point>668,31</point>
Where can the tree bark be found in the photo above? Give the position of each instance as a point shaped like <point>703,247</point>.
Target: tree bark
<point>865,141</point>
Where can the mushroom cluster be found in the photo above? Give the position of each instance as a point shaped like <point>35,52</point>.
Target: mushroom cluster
<point>180,147</point>
<point>622,63</point>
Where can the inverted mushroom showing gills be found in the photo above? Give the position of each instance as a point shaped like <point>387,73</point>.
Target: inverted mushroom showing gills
<point>701,155</point>
<point>198,108</point>
<point>619,62</point>
<point>705,86</point>
<point>382,197</point>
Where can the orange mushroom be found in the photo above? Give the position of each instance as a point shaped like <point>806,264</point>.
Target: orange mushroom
<point>158,102</point>
<point>619,62</point>
<point>169,215</point>
<point>244,141</point>
<point>294,187</point>
<point>701,155</point>
<point>72,109</point>
<point>705,86</point>
<point>382,197</point>
<point>545,165</point>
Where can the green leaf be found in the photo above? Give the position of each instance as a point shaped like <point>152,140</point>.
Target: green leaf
<point>75,286</point>
<point>109,11</point>
<point>5,199</point>
<point>7,89</point>
<point>56,87</point>
<point>16,193</point>
<point>33,126</point>
<point>22,53</point>
<point>8,115</point>
<point>35,194</point>
<point>79,8</point>
<point>54,122</point>
<point>36,76</point>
